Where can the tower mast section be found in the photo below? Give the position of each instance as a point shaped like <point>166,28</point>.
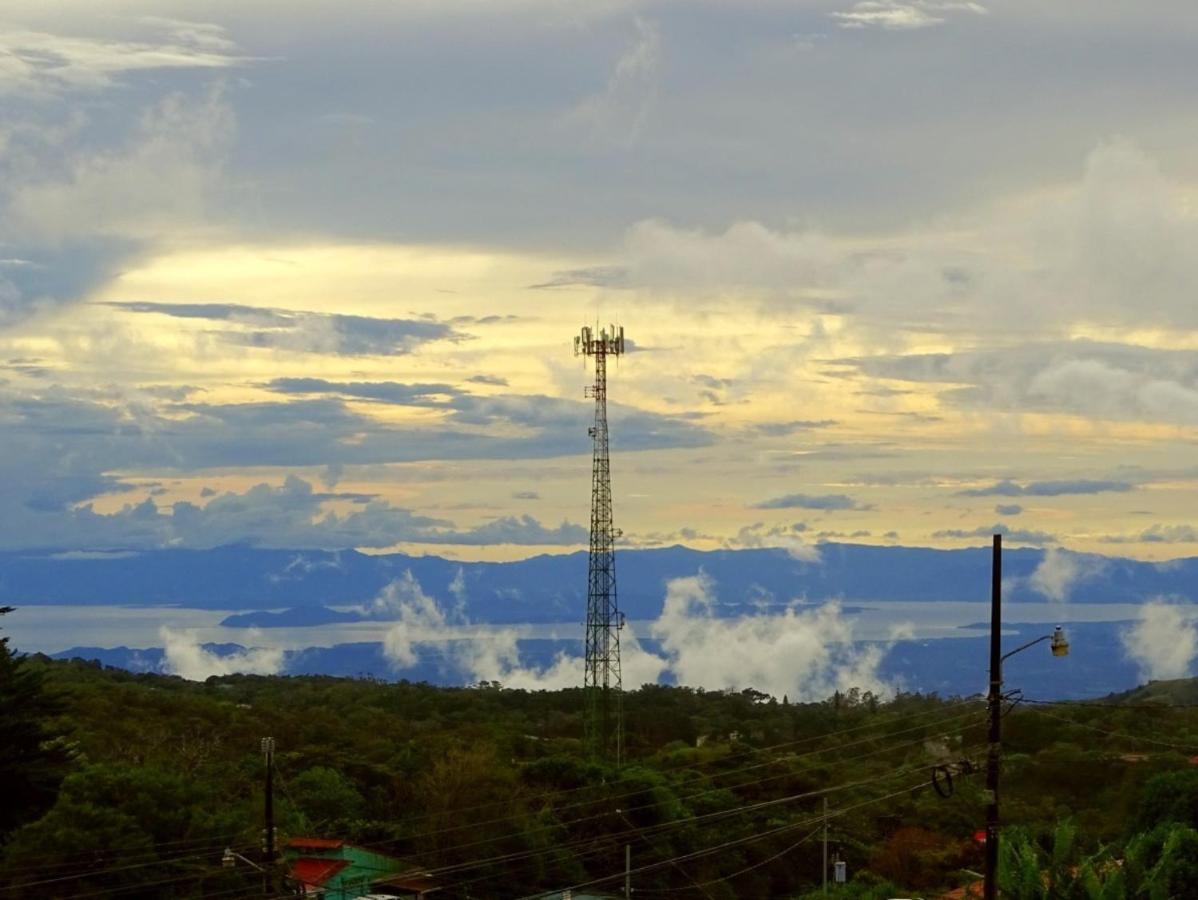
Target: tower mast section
<point>602,683</point>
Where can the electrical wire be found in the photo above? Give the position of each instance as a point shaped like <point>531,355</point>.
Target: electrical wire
<point>612,798</point>
<point>107,870</point>
<point>897,716</point>
<point>683,798</point>
<point>708,818</point>
<point>192,854</point>
<point>734,843</point>
<point>1120,734</point>
<point>739,872</point>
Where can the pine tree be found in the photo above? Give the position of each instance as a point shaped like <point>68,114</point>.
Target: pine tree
<point>33,756</point>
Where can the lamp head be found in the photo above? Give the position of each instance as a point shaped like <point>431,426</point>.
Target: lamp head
<point>228,861</point>
<point>1060,644</point>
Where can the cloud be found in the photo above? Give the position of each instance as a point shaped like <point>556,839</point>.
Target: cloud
<point>1119,232</point>
<point>782,429</point>
<point>163,178</point>
<point>491,654</point>
<point>1157,534</point>
<point>806,655</point>
<point>1017,535</point>
<point>36,62</point>
<point>186,657</point>
<point>903,15</point>
<point>762,536</point>
<point>618,112</point>
<point>422,394</point>
<point>1008,509</point>
<point>1007,488</point>
<point>1103,380</point>
<point>1060,571</point>
<point>812,501</point>
<point>595,276</point>
<point>306,332</point>
<point>1163,641</point>
<point>294,515</point>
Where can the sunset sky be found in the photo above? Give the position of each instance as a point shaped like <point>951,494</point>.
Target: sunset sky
<point>308,274</point>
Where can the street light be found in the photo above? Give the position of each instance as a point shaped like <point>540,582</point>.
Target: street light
<point>229,860</point>
<point>1060,647</point>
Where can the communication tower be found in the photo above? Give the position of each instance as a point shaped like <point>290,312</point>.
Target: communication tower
<point>601,680</point>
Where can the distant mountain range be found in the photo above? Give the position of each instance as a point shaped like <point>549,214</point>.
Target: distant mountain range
<point>552,588</point>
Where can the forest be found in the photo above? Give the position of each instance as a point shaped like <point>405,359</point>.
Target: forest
<point>123,785</point>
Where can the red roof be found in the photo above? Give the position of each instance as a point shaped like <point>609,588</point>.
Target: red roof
<point>316,871</point>
<point>311,843</point>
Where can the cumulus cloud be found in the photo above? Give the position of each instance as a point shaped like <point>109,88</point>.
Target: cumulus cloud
<point>1119,232</point>
<point>484,654</point>
<point>1060,571</point>
<point>184,656</point>
<point>1163,641</point>
<point>806,654</point>
<point>1090,378</point>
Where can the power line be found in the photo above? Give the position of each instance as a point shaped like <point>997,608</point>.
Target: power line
<point>1120,734</point>
<point>737,842</point>
<point>612,798</point>
<point>739,872</point>
<point>683,798</point>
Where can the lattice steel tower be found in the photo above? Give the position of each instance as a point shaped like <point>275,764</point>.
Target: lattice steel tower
<point>602,681</point>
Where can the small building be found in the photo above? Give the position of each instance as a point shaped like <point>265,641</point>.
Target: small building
<point>331,869</point>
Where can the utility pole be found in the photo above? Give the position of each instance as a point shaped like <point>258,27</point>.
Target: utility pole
<point>602,681</point>
<point>268,814</point>
<point>994,702</point>
<point>825,844</point>
<point>628,872</point>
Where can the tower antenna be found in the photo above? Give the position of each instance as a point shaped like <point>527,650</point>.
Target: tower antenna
<point>604,715</point>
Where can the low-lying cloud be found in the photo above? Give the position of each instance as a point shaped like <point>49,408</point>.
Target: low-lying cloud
<point>806,654</point>
<point>1163,641</point>
<point>185,656</point>
<point>1061,570</point>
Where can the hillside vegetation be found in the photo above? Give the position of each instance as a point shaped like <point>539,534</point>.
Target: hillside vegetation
<point>133,785</point>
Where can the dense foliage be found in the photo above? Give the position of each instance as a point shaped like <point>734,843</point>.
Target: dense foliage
<point>490,789</point>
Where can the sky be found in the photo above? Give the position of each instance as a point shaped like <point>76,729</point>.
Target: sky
<point>892,272</point>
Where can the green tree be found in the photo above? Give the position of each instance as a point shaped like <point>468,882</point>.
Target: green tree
<point>324,796</point>
<point>34,755</point>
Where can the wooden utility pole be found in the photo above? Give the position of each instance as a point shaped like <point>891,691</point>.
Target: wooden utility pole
<point>268,815</point>
<point>825,844</point>
<point>628,872</point>
<point>994,701</point>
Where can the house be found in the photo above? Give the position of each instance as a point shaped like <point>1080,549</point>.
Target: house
<point>331,869</point>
